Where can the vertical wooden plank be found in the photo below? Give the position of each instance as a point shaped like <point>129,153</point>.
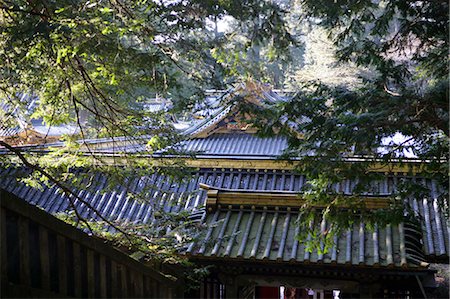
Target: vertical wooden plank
<point>77,269</point>
<point>45,264</point>
<point>168,292</point>
<point>154,288</point>
<point>102,276</point>
<point>4,265</point>
<point>114,291</point>
<point>90,273</point>
<point>139,285</point>
<point>24,248</point>
<point>62,264</point>
<point>123,270</point>
<point>131,278</point>
<point>146,287</point>
<point>160,291</point>
<point>203,290</point>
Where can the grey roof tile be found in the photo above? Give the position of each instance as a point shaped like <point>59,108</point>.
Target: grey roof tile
<point>254,236</point>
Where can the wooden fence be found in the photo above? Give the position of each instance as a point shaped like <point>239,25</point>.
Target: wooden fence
<point>41,256</point>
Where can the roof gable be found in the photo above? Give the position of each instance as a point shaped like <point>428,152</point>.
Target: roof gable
<point>227,118</point>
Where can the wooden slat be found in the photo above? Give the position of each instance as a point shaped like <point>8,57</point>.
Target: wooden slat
<point>114,289</point>
<point>62,264</point>
<point>24,248</point>
<point>77,269</point>
<point>66,234</point>
<point>58,227</point>
<point>131,284</point>
<point>102,276</point>
<point>139,285</point>
<point>146,287</point>
<point>45,263</point>
<point>90,273</point>
<point>123,271</point>
<point>154,288</point>
<point>4,267</point>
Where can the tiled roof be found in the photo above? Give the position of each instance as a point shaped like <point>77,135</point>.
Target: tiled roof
<point>10,131</point>
<point>227,103</point>
<point>203,125</point>
<point>243,145</point>
<point>168,195</point>
<point>15,122</point>
<point>271,235</point>
<point>236,145</point>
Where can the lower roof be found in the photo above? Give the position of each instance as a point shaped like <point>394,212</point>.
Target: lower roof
<point>253,234</point>
<point>267,235</point>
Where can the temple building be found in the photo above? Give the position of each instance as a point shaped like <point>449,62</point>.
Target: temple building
<point>246,202</point>
<point>17,128</point>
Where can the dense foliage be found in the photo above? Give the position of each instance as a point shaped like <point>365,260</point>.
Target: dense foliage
<point>97,64</point>
<point>399,113</point>
<point>96,60</point>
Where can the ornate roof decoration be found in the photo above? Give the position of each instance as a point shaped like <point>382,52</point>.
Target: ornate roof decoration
<point>226,118</point>
<point>18,129</point>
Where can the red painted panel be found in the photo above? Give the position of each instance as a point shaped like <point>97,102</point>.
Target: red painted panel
<point>267,293</point>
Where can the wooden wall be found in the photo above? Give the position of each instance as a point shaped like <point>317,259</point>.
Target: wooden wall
<point>42,256</point>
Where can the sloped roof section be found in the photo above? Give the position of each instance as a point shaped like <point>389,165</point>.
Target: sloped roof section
<point>17,127</point>
<point>271,236</point>
<point>13,120</point>
<point>163,194</point>
<point>225,109</point>
<point>237,145</point>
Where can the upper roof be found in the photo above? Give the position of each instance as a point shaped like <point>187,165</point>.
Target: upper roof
<point>216,129</point>
<point>238,145</point>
